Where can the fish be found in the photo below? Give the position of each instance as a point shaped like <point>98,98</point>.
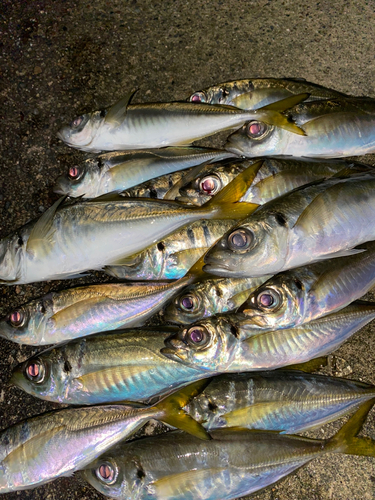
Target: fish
<point>305,293</point>
<point>285,400</point>
<point>325,219</point>
<point>225,343</point>
<point>207,298</point>
<point>77,312</point>
<point>156,125</point>
<point>173,256</point>
<point>119,171</point>
<point>234,463</point>
<point>39,449</point>
<point>276,177</point>
<point>335,128</point>
<point>125,365</point>
<point>257,92</point>
<point>71,238</point>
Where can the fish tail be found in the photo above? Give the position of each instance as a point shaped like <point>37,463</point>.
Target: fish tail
<point>226,204</point>
<point>170,409</point>
<point>346,440</point>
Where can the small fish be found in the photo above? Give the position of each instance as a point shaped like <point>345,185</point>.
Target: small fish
<point>105,368</point>
<point>118,171</point>
<point>225,343</point>
<point>173,256</point>
<point>305,293</point>
<point>156,125</point>
<point>209,297</point>
<point>37,450</point>
<point>284,400</point>
<point>323,220</point>
<point>77,312</point>
<point>236,462</point>
<point>276,177</point>
<point>84,235</point>
<point>257,92</point>
<point>335,128</point>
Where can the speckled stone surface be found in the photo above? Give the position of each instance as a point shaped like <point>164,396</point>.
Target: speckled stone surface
<point>60,58</point>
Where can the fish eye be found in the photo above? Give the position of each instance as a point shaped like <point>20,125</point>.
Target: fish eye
<point>255,129</point>
<point>198,97</point>
<point>188,302</point>
<point>197,336</point>
<point>76,122</point>
<point>74,173</point>
<point>268,299</point>
<point>35,371</point>
<point>240,240</point>
<point>210,185</point>
<point>16,318</point>
<point>106,472</point>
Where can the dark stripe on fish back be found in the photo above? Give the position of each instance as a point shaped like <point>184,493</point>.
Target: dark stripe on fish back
<point>206,233</point>
<point>190,234</point>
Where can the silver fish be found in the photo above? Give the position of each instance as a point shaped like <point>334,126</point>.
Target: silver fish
<point>257,92</point>
<point>122,170</point>
<point>334,129</point>
<point>210,297</point>
<point>81,311</point>
<point>156,125</point>
<point>305,293</point>
<point>236,462</point>
<point>104,368</point>
<point>37,450</point>
<point>323,220</point>
<point>72,238</point>
<point>224,343</point>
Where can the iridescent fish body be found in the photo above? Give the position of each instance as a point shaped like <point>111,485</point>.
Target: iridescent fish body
<point>104,368</point>
<point>236,462</point>
<point>305,293</point>
<point>318,221</point>
<point>224,343</point>
<point>118,171</point>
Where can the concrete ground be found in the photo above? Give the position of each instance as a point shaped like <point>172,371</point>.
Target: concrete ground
<point>60,58</point>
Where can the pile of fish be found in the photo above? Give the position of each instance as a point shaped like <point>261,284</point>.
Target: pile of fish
<point>242,269</point>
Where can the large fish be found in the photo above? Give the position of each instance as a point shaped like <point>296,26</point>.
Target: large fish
<point>334,129</point>
<point>225,343</point>
<point>284,400</point>
<point>257,92</point>
<point>85,235</point>
<point>173,256</point>
<point>105,368</point>
<point>236,462</point>
<point>209,297</point>
<point>156,125</point>
<point>81,311</point>
<point>123,170</point>
<point>37,450</point>
<point>306,293</point>
<point>276,177</point>
<point>318,221</point>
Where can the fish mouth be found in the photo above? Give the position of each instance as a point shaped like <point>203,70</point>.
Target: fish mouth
<point>172,354</point>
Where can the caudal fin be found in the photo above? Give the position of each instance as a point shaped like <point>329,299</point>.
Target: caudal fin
<point>170,409</point>
<point>271,113</point>
<point>346,440</point>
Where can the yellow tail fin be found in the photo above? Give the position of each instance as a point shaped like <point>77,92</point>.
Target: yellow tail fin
<point>170,409</point>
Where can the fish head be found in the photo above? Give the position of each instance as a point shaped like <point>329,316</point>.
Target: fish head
<point>256,138</point>
<point>201,189</point>
<point>79,180</point>
<point>205,345</point>
<point>12,250</point>
<point>29,323</point>
<point>254,248</point>
<point>186,307</point>
<point>82,130</point>
<point>276,303</point>
<point>223,93</point>
<point>106,475</point>
<point>43,375</point>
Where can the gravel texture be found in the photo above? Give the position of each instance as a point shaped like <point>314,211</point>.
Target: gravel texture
<point>61,58</point>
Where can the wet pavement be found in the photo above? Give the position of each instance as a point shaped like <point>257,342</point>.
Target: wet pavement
<point>61,58</point>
